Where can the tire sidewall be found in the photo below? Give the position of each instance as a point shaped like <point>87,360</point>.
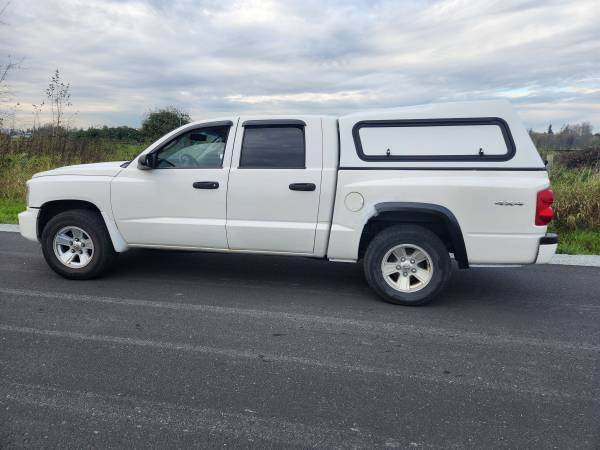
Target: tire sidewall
<point>91,225</point>
<point>423,238</point>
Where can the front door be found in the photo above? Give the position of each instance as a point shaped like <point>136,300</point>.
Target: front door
<point>274,186</point>
<point>181,201</point>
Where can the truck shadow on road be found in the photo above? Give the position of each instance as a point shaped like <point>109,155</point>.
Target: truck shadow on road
<point>280,278</point>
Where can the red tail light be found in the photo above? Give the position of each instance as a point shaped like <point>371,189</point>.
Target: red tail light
<point>543,209</point>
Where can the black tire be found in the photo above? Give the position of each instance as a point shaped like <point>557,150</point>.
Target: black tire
<point>411,235</point>
<point>92,223</point>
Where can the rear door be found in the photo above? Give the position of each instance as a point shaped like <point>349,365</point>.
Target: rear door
<point>274,185</point>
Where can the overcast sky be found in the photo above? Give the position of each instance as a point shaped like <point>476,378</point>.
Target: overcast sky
<point>317,56</point>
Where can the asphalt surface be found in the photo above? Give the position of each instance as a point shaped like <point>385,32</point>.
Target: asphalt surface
<point>175,349</point>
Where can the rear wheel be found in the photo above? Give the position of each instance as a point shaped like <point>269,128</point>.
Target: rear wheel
<point>407,265</point>
<point>76,244</point>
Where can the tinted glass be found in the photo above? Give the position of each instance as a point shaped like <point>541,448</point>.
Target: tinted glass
<point>273,147</point>
<point>199,148</point>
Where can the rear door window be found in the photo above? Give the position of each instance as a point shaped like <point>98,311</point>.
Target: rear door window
<point>273,147</point>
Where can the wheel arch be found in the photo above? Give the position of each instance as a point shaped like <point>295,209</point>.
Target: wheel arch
<point>51,208</point>
<point>437,218</point>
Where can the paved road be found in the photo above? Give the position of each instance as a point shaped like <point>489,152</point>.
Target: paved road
<point>183,349</point>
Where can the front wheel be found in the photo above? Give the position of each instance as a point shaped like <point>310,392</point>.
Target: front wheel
<point>407,265</point>
<point>76,244</point>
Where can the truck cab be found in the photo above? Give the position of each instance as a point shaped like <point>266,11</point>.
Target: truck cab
<point>402,190</point>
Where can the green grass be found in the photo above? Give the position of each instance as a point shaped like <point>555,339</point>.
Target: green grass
<point>20,159</point>
<point>577,198</point>
<point>578,242</point>
<point>9,210</point>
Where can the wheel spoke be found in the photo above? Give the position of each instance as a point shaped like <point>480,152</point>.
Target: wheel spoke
<point>63,239</point>
<point>403,283</point>
<point>84,258</point>
<point>77,233</point>
<point>422,275</point>
<point>67,257</point>
<point>399,253</point>
<point>389,269</point>
<point>418,256</point>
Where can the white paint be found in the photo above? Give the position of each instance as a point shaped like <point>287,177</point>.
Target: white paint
<point>492,233</point>
<point>546,253</point>
<point>28,223</point>
<point>109,169</point>
<point>354,201</point>
<point>117,239</point>
<point>161,207</point>
<point>262,212</point>
<point>73,183</point>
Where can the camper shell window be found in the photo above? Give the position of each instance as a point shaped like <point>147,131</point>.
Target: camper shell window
<point>473,139</point>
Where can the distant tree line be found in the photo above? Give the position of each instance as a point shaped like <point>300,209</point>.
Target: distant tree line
<point>122,133</point>
<point>156,123</point>
<point>578,136</point>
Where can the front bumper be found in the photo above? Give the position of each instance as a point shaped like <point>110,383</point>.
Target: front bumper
<point>547,248</point>
<point>28,223</point>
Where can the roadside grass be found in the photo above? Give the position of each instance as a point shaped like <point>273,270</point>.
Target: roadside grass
<point>21,158</point>
<point>577,208</point>
<point>9,209</point>
<point>578,242</point>
<point>577,198</point>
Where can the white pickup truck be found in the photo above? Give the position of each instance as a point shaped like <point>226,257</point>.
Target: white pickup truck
<point>399,189</point>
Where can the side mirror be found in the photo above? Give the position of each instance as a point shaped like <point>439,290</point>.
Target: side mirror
<point>146,162</point>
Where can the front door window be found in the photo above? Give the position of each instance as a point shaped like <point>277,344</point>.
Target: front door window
<point>195,149</point>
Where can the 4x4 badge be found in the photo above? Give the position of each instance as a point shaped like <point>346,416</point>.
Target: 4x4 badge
<point>504,203</point>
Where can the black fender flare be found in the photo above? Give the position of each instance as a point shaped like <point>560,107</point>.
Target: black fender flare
<point>434,211</point>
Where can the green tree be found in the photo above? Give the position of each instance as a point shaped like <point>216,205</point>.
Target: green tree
<point>159,122</point>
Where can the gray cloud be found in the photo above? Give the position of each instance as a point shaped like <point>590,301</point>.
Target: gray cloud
<point>214,57</point>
